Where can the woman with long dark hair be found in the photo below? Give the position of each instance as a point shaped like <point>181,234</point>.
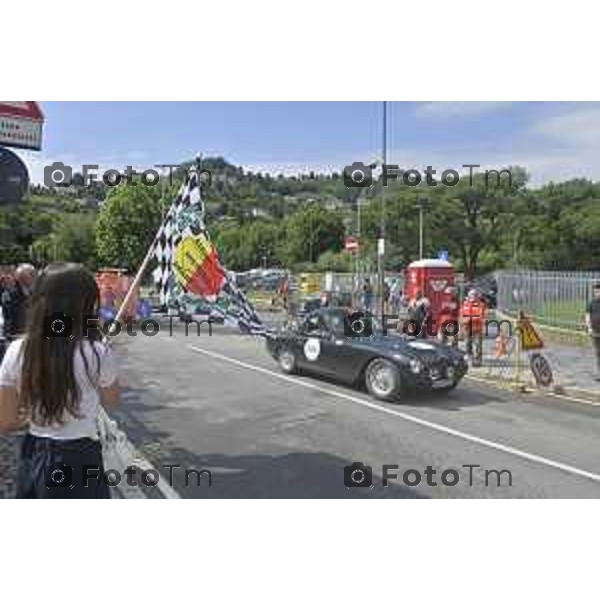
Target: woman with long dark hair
<point>53,381</point>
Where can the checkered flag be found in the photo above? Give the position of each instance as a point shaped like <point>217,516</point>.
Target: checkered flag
<point>239,311</point>
<point>188,263</point>
<point>169,234</point>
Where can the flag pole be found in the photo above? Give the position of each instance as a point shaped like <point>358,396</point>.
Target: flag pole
<point>136,281</point>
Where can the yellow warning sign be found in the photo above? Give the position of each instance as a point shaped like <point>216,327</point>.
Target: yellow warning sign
<point>530,338</point>
<point>310,283</point>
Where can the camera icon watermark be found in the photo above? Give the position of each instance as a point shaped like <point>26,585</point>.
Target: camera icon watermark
<point>58,325</point>
<point>358,175</point>
<point>358,324</point>
<point>358,475</point>
<point>58,475</point>
<point>58,174</point>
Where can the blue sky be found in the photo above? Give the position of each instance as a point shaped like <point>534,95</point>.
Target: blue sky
<point>553,140</point>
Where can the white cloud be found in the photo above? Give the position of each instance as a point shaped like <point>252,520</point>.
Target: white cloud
<point>580,127</point>
<point>438,110</point>
<point>552,148</point>
<point>289,169</point>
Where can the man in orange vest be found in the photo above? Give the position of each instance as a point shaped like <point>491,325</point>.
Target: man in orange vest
<point>449,318</point>
<point>472,317</point>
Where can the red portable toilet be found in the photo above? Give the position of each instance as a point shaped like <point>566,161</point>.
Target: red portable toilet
<point>433,277</point>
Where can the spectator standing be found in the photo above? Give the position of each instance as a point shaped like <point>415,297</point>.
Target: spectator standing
<point>5,281</point>
<point>418,313</point>
<point>402,311</point>
<point>396,299</point>
<point>473,312</point>
<point>592,321</point>
<point>53,383</point>
<point>386,295</point>
<point>367,295</point>
<point>15,301</point>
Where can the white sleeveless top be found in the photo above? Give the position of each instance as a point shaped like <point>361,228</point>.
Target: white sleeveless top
<point>72,427</point>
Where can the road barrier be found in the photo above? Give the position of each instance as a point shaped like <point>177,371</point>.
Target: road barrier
<point>119,454</point>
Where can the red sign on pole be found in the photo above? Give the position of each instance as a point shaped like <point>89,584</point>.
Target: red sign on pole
<point>21,125</point>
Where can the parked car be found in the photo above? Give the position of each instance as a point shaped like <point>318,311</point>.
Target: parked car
<point>188,310</point>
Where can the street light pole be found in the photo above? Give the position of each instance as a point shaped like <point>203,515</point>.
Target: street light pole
<point>421,202</point>
<point>381,241</point>
<point>420,231</point>
<point>356,283</point>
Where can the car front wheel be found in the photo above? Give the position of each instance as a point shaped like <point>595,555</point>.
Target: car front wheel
<point>382,379</point>
<point>287,361</point>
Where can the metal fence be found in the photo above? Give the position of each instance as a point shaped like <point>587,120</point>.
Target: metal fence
<point>347,283</point>
<point>554,298</point>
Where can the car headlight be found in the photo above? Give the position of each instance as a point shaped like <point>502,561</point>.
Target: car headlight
<point>416,366</point>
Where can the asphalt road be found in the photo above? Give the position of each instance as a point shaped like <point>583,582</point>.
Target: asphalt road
<point>220,403</point>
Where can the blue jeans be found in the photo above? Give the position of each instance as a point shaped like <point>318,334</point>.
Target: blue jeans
<point>50,468</point>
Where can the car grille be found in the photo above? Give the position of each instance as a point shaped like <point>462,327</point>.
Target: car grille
<point>437,367</point>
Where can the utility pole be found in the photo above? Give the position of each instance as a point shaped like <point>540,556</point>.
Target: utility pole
<point>312,235</point>
<point>356,278</point>
<point>163,207</point>
<point>421,204</point>
<point>381,240</point>
<point>199,169</point>
<point>420,231</point>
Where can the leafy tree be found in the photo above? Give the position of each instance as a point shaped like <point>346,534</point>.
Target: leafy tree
<point>74,238</point>
<point>401,227</point>
<point>71,240</point>
<point>339,262</point>
<point>472,218</point>
<point>127,224</point>
<point>243,248</point>
<point>312,231</point>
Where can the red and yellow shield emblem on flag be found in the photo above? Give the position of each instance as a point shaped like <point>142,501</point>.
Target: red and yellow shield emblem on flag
<point>196,265</point>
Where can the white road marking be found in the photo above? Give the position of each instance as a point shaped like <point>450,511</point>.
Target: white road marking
<point>536,458</point>
<point>585,390</point>
<point>573,399</point>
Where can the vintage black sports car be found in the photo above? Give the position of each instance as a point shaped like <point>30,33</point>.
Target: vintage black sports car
<point>326,343</point>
